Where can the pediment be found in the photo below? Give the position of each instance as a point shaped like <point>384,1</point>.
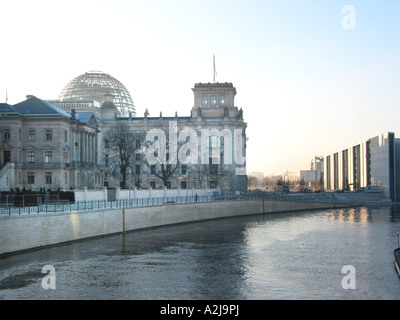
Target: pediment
<point>93,122</point>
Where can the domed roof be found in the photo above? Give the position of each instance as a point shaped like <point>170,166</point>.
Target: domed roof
<point>93,85</point>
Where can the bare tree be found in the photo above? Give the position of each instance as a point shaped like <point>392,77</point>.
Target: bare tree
<point>164,168</point>
<point>252,182</point>
<point>165,172</point>
<point>201,174</point>
<point>215,175</point>
<point>121,145</point>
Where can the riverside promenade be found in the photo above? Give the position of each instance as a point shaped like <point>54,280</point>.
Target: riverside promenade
<point>61,223</point>
<point>90,205</point>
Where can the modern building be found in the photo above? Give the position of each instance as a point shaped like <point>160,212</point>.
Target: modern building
<point>314,177</point>
<point>91,105</point>
<point>375,162</point>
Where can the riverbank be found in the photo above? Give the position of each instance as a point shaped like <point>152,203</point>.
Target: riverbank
<point>25,232</point>
<point>285,256</point>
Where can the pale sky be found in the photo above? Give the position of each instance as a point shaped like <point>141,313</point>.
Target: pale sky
<point>307,85</point>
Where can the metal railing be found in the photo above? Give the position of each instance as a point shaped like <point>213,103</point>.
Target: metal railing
<point>90,205</point>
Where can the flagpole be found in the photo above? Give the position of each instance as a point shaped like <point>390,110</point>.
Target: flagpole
<point>214,66</point>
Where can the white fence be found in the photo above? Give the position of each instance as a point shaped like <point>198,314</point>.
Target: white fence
<point>101,194</point>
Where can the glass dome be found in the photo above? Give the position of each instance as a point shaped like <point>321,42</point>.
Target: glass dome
<point>93,85</point>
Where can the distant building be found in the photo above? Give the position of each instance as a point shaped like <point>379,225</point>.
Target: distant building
<point>315,175</point>
<point>308,175</point>
<point>290,177</point>
<point>257,174</point>
<point>375,162</point>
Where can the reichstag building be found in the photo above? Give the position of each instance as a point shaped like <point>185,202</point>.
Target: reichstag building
<point>79,140</point>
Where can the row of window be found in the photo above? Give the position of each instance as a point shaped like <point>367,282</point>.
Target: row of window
<point>168,168</point>
<point>107,143</point>
<point>213,184</point>
<point>213,142</point>
<point>153,169</point>
<point>213,100</point>
<point>48,156</point>
<point>32,135</point>
<point>47,177</point>
<point>153,185</point>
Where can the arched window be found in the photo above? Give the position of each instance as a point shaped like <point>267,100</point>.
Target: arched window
<point>213,100</point>
<point>221,100</point>
<point>204,101</point>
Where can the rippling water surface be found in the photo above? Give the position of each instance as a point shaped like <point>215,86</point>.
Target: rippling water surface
<point>277,256</point>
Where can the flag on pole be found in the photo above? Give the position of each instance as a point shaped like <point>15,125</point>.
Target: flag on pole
<point>215,70</point>
<point>6,96</point>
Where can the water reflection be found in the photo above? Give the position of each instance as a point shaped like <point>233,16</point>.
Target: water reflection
<point>213,270</point>
<point>366,214</point>
<point>296,255</point>
<point>352,215</point>
<point>306,263</point>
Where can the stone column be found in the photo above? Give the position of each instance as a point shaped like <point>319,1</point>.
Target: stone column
<point>86,147</point>
<point>82,150</point>
<point>93,147</point>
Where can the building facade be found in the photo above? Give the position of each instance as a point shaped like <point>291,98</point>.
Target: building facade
<point>44,146</point>
<point>215,127</point>
<point>64,143</point>
<point>375,162</point>
<point>314,177</point>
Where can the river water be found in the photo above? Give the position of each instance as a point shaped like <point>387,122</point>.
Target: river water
<point>297,255</point>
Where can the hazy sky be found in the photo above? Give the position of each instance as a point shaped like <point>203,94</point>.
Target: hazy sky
<point>308,84</point>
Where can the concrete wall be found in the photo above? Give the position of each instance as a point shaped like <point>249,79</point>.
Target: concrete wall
<point>31,231</point>
<point>86,194</point>
<point>25,232</point>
